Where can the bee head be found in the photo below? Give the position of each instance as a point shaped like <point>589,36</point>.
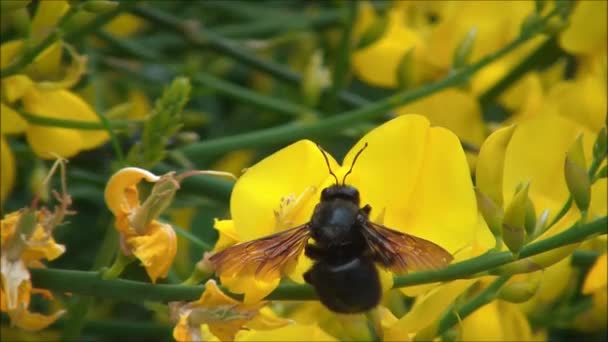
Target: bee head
<point>344,192</point>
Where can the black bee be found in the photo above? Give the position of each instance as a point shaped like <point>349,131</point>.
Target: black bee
<point>346,247</point>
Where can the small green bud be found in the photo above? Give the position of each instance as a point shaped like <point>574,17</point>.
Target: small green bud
<point>491,212</point>
<point>513,227</point>
<point>520,291</point>
<point>520,266</point>
<point>599,147</point>
<point>530,223</point>
<point>37,184</point>
<point>156,203</point>
<point>406,70</point>
<point>462,54</point>
<point>576,175</point>
<point>99,6</point>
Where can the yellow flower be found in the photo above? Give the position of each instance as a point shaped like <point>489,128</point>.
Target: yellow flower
<point>416,175</point>
<point>536,153</point>
<point>22,249</point>
<point>152,242</point>
<point>586,34</point>
<point>7,171</point>
<point>595,285</point>
<point>223,316</point>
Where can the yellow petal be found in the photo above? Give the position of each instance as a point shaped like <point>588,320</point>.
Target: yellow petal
<point>490,164</point>
<point>463,118</point>
<point>60,104</point>
<point>427,190</point>
<point>11,121</point>
<point>41,246</point>
<point>124,25</point>
<point>7,169</point>
<point>484,324</point>
<point>8,52</point>
<point>537,154</point>
<point>429,307</point>
<point>253,288</point>
<point>33,321</point>
<point>390,49</point>
<point>266,319</point>
<point>47,16</point>
<point>227,234</point>
<point>586,33</point>
<point>289,172</point>
<point>14,87</point>
<point>597,278</point>
<point>181,332</point>
<point>140,105</point>
<point>156,250</point>
<point>296,332</point>
<point>119,183</point>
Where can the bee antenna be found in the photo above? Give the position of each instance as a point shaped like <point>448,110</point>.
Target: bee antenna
<point>353,164</point>
<point>327,162</point>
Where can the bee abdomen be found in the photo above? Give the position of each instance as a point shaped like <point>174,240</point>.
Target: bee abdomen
<point>350,287</point>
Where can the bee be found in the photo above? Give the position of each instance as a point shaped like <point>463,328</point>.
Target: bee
<point>347,246</point>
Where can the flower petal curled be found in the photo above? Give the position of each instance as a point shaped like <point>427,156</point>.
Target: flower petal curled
<point>156,249</point>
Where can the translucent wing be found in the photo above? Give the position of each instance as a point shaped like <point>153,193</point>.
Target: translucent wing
<point>400,252</point>
<point>273,253</point>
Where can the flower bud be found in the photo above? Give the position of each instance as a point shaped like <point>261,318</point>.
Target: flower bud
<point>406,70</point>
<point>99,6</point>
<point>155,204</point>
<point>530,223</point>
<point>24,228</point>
<point>37,182</point>
<point>490,164</point>
<point>513,227</point>
<point>599,147</point>
<point>520,291</point>
<point>576,175</point>
<point>492,213</point>
<point>520,266</point>
<point>530,22</point>
<point>462,54</point>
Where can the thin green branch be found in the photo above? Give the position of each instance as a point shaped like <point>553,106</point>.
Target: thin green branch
<point>203,38</point>
<point>277,105</point>
<point>90,282</point>
<point>483,298</point>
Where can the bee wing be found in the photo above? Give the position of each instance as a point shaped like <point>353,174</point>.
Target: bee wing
<point>401,252</point>
<point>273,253</point>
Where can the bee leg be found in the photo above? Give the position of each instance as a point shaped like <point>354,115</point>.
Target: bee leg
<point>313,252</point>
<point>366,209</point>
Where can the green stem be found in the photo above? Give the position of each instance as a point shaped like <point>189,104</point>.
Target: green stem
<point>77,311</point>
<point>89,283</point>
<point>281,25</point>
<point>483,298</point>
<point>294,131</point>
<point>342,63</point>
<point>202,38</point>
<point>273,104</point>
